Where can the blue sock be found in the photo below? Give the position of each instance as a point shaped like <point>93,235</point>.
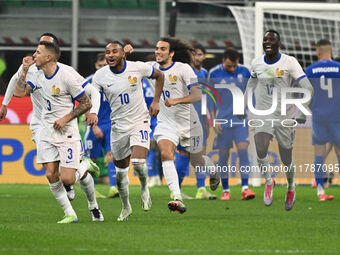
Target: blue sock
<point>182,166</point>
<point>150,163</point>
<point>112,173</point>
<point>244,164</point>
<point>200,179</point>
<point>319,175</point>
<point>223,163</point>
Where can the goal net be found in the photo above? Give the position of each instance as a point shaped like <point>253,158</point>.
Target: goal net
<point>300,25</point>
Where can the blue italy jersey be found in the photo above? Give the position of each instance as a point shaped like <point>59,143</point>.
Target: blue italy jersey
<point>218,75</point>
<point>104,110</point>
<point>148,93</point>
<point>202,76</point>
<point>325,78</point>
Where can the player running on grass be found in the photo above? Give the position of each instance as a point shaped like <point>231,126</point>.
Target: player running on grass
<point>269,74</point>
<point>59,140</point>
<point>121,82</point>
<point>35,124</point>
<point>178,122</point>
<point>97,137</point>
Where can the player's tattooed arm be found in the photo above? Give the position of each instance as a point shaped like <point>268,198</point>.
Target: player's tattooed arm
<point>83,106</point>
<point>22,89</point>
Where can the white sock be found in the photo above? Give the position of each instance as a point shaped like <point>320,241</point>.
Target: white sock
<point>320,189</point>
<point>123,185</point>
<point>244,187</point>
<point>290,177</point>
<point>87,185</point>
<point>208,164</point>
<point>264,166</point>
<point>171,177</point>
<point>83,167</point>
<point>139,165</point>
<point>60,194</point>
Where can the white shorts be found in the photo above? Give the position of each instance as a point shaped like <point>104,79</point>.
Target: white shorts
<point>121,143</point>
<point>285,136</point>
<point>191,140</point>
<point>68,153</point>
<point>36,133</point>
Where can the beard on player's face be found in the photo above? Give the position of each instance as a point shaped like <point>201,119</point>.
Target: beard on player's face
<point>162,58</point>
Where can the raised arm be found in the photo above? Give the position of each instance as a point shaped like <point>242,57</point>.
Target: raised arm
<point>22,89</point>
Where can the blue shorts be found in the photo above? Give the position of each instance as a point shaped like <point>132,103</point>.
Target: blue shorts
<point>180,148</point>
<point>326,132</point>
<point>238,134</point>
<point>94,146</point>
<point>153,124</point>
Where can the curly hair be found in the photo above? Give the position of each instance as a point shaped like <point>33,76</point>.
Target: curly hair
<point>183,50</point>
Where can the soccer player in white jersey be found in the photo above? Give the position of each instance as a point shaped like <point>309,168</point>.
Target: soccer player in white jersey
<point>121,82</point>
<point>59,139</point>
<point>271,73</point>
<point>35,123</point>
<point>178,122</point>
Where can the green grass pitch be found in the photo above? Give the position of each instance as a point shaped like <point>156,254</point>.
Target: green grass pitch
<point>29,214</point>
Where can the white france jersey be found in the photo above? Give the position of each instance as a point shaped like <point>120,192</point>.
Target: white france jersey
<point>35,96</point>
<point>58,94</point>
<point>124,92</point>
<point>178,78</point>
<point>280,74</point>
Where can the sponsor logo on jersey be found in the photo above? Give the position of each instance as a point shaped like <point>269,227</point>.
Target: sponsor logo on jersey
<point>55,91</point>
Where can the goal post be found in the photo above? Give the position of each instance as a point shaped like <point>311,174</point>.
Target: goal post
<point>301,25</point>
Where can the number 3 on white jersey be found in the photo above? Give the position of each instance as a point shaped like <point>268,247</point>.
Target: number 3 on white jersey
<point>327,86</point>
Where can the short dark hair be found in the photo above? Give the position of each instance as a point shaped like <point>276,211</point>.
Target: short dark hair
<point>183,50</point>
<point>232,54</point>
<point>100,57</point>
<point>275,32</point>
<point>198,46</point>
<point>51,47</point>
<point>323,42</point>
<point>119,43</point>
<point>55,39</point>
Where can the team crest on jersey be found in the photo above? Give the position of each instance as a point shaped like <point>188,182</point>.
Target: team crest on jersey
<point>55,91</point>
<point>172,79</point>
<point>240,77</point>
<point>279,73</point>
<point>132,81</point>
